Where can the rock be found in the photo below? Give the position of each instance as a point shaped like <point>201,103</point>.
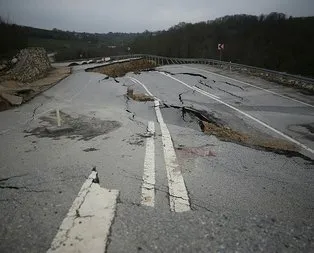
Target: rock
<point>32,64</point>
<point>13,100</point>
<point>14,61</point>
<point>2,67</point>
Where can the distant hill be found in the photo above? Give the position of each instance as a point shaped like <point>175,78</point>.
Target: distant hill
<point>271,41</point>
<point>69,45</point>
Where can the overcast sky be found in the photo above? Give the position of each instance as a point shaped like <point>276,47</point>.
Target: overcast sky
<point>137,15</point>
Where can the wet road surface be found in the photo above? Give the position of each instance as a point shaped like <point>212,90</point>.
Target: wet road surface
<point>213,164</point>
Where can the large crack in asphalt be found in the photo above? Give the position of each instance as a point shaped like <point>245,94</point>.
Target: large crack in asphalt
<point>201,81</point>
<point>212,125</point>
<point>234,95</point>
<point>192,74</point>
<point>234,85</point>
<point>205,84</point>
<point>4,185</point>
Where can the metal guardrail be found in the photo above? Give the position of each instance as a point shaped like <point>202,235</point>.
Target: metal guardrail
<point>296,80</point>
<point>161,60</point>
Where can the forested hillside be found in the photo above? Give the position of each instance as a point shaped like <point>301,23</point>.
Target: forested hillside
<point>68,45</point>
<point>272,41</point>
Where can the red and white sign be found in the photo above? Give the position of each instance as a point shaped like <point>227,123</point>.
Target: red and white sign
<point>221,46</point>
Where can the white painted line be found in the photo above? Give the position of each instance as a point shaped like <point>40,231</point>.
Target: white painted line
<point>148,186</point>
<point>257,87</point>
<point>86,226</point>
<point>136,81</point>
<point>245,114</point>
<point>178,195</point>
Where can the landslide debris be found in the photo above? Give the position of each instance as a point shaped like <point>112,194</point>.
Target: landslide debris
<point>120,69</point>
<point>140,97</point>
<point>211,125</point>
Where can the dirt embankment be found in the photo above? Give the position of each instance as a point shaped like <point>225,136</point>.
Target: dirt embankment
<point>14,93</point>
<point>211,125</point>
<point>120,69</point>
<point>28,74</point>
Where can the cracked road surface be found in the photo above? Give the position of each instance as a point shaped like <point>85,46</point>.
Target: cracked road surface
<point>218,162</point>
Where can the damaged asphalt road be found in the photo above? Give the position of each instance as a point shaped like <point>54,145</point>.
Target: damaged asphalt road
<point>248,189</point>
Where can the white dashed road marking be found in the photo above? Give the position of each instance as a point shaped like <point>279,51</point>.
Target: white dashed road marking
<point>148,186</point>
<point>243,113</point>
<point>178,196</point>
<point>86,226</point>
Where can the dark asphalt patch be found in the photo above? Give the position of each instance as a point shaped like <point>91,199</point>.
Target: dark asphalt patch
<point>81,128</point>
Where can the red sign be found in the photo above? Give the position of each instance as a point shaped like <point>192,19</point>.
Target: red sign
<point>221,46</point>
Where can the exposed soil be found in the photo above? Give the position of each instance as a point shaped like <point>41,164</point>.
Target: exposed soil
<point>81,128</point>
<point>223,133</point>
<point>140,97</point>
<point>211,125</point>
<point>27,91</point>
<point>120,69</point>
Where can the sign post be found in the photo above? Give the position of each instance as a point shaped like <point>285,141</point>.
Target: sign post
<point>221,47</point>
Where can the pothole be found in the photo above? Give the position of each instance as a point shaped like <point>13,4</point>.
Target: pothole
<point>81,128</point>
<point>120,69</point>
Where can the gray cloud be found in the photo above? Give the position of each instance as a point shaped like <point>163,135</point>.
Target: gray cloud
<point>137,15</point>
